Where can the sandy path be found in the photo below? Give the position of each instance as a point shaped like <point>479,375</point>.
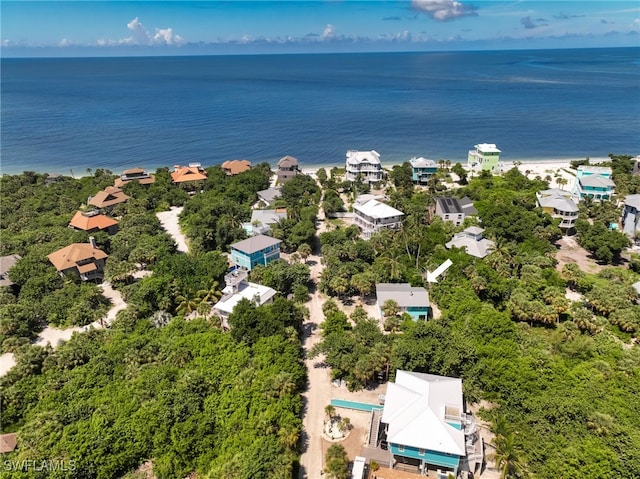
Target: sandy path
<point>169,221</point>
<point>53,336</point>
<point>318,393</point>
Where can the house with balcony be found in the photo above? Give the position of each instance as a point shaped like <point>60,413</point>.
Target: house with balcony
<point>594,182</point>
<point>364,165</point>
<point>631,216</point>
<point>454,209</point>
<point>372,216</point>
<point>426,428</point>
<point>559,204</point>
<point>257,250</point>
<point>92,221</point>
<point>422,170</point>
<point>287,169</point>
<point>411,300</point>
<point>84,260</point>
<point>261,221</point>
<point>473,242</point>
<point>134,174</point>
<point>238,288</point>
<point>235,167</point>
<point>484,156</point>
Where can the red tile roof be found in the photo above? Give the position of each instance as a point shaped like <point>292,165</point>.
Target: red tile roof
<point>89,222</point>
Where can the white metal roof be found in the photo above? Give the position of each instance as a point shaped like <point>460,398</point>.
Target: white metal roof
<point>487,148</point>
<point>375,209</point>
<point>422,163</point>
<point>403,293</point>
<point>246,290</point>
<point>414,410</point>
<point>357,157</point>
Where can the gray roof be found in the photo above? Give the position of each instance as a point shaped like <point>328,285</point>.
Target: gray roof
<point>474,247</point>
<point>633,201</point>
<point>287,162</point>
<point>456,205</point>
<point>267,217</point>
<point>402,293</point>
<point>596,181</point>
<point>255,243</point>
<point>558,199</point>
<point>6,263</point>
<point>269,195</point>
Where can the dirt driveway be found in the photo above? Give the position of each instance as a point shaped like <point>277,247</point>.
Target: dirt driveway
<point>571,252</point>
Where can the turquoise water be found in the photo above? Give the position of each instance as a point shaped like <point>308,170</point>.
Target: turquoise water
<point>358,406</point>
<point>73,114</point>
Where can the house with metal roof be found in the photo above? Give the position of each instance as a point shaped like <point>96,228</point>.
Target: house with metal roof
<point>454,209</point>
<point>594,182</point>
<point>411,299</point>
<point>472,241</point>
<point>85,260</point>
<point>257,250</point>
<point>484,156</point>
<point>422,169</point>
<point>261,220</point>
<point>364,165</point>
<point>631,216</point>
<point>287,169</point>
<point>426,427</point>
<point>559,204</point>
<point>238,288</point>
<point>269,196</point>
<point>372,216</point>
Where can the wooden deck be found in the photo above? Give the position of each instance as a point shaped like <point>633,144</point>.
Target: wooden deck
<point>384,473</point>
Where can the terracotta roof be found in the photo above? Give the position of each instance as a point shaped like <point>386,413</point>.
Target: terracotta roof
<point>235,167</point>
<point>70,256</point>
<point>90,221</point>
<point>188,173</point>
<point>110,196</point>
<point>134,174</point>
<point>8,442</point>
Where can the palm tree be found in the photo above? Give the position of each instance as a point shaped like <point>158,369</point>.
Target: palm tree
<point>304,250</point>
<point>186,304</point>
<point>390,308</point>
<point>329,410</point>
<point>506,452</point>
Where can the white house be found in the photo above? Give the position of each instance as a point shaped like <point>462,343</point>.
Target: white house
<point>372,216</point>
<point>237,288</point>
<point>365,165</point>
<point>472,241</point>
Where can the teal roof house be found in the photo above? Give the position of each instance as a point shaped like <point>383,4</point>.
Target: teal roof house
<point>594,182</point>
<point>422,169</point>
<point>411,300</point>
<point>254,251</point>
<point>426,429</point>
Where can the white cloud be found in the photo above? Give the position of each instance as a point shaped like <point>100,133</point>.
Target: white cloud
<point>635,25</point>
<point>444,10</point>
<point>64,42</point>
<point>328,32</point>
<point>165,36</point>
<point>140,36</point>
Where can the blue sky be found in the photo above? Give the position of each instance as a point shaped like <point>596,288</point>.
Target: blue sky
<point>52,28</point>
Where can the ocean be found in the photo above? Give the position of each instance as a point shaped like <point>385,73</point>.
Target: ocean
<point>74,114</point>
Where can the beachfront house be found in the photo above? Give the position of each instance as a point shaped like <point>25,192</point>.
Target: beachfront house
<point>92,221</point>
<point>261,221</point>
<point>411,299</point>
<point>631,216</point>
<point>454,209</point>
<point>235,167</point>
<point>108,198</point>
<point>257,250</point>
<point>364,165</point>
<point>237,288</point>
<point>422,170</point>
<point>472,241</point>
<point>484,156</point>
<point>6,263</point>
<point>134,174</point>
<point>185,174</point>
<point>372,216</point>
<point>287,169</point>
<point>84,260</point>
<point>559,204</point>
<point>426,428</point>
<point>594,182</point>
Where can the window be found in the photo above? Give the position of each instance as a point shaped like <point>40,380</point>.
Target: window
<point>400,448</point>
<point>421,452</point>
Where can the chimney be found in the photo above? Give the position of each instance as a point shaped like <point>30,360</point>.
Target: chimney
<point>92,242</point>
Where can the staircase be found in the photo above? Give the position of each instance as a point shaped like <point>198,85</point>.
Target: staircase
<point>374,428</point>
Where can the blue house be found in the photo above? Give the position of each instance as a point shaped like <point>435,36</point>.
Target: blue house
<point>594,182</point>
<point>411,300</point>
<point>425,426</point>
<point>257,250</point>
<point>423,169</point>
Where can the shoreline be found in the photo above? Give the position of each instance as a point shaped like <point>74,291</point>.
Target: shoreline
<point>313,168</point>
